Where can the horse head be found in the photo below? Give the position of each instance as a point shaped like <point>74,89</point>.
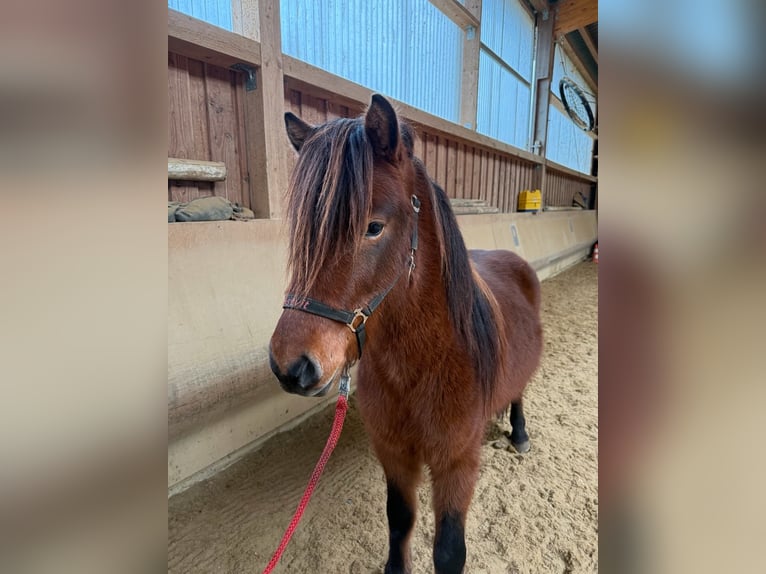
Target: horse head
<point>352,215</point>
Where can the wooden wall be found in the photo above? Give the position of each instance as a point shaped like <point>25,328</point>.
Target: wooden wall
<point>205,122</point>
<point>560,188</point>
<point>465,170</point>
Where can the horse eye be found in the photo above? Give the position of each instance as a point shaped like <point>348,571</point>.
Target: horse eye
<point>374,229</point>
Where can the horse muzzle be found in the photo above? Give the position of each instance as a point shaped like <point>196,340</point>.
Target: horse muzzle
<point>301,377</point>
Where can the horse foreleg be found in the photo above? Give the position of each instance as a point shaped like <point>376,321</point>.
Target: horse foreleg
<point>402,478</point>
<point>452,492</point>
<point>519,436</point>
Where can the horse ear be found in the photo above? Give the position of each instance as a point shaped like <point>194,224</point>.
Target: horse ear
<point>297,130</point>
<point>382,128</point>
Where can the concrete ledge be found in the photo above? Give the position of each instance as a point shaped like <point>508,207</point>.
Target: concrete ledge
<point>225,284</point>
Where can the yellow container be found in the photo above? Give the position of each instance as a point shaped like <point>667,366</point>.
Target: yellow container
<point>530,200</point>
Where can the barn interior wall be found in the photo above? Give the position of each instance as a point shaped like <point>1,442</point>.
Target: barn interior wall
<point>206,121</point>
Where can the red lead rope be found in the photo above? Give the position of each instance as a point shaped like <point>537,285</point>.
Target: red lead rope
<point>337,425</point>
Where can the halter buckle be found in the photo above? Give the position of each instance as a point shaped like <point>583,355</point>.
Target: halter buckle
<point>353,324</point>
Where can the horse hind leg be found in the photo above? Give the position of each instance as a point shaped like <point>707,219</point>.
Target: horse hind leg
<point>519,436</point>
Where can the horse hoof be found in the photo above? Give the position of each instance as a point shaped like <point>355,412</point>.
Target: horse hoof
<point>522,447</point>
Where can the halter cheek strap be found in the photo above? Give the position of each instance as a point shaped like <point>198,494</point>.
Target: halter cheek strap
<point>356,319</point>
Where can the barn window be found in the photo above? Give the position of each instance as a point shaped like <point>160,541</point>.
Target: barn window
<point>505,71</point>
<point>406,49</point>
<point>216,12</point>
<point>567,144</point>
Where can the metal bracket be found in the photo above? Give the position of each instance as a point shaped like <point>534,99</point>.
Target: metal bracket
<point>546,15</point>
<point>470,32</point>
<point>249,72</point>
<point>345,383</point>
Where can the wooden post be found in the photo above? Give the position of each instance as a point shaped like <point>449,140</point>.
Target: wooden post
<point>545,22</point>
<point>245,19</point>
<point>469,91</point>
<point>264,117</point>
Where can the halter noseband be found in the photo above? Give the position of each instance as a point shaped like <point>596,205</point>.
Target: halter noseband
<point>356,319</point>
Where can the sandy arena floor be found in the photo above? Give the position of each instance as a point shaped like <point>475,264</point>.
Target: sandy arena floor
<point>532,513</point>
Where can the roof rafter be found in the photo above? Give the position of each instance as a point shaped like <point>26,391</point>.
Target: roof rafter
<point>589,43</point>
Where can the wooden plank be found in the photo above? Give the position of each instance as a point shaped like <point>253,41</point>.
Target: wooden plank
<point>562,169</point>
<point>245,18</point>
<point>197,108</point>
<point>223,129</point>
<point>501,189</point>
<point>334,110</point>
<point>476,176</point>
<point>241,172</point>
<point>210,44</point>
<point>196,170</point>
<point>573,14</point>
<point>474,7</point>
<point>515,173</point>
<point>180,126</point>
<point>542,89</point>
<point>460,170</point>
<point>441,162</point>
<point>505,201</point>
<point>589,43</point>
<point>313,109</point>
<point>497,187</point>
<point>469,83</point>
<point>543,75</point>
<point>468,173</point>
<point>539,5</point>
<point>451,176</point>
<point>492,192</point>
<point>456,12</point>
<point>417,146</point>
<point>295,102</point>
<point>430,145</point>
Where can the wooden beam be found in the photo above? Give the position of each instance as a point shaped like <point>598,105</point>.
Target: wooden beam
<point>589,44</point>
<point>469,85</point>
<point>573,14</point>
<point>579,64</point>
<point>557,167</point>
<point>540,6</point>
<point>196,170</point>
<point>202,41</point>
<point>245,19</point>
<point>267,145</point>
<point>456,12</point>
<point>545,49</point>
<point>542,79</point>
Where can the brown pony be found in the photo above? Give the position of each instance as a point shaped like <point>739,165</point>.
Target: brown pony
<point>452,337</point>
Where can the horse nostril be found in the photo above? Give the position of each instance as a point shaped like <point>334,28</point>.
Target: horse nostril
<point>304,372</point>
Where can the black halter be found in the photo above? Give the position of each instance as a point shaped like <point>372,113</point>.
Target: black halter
<point>356,319</point>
